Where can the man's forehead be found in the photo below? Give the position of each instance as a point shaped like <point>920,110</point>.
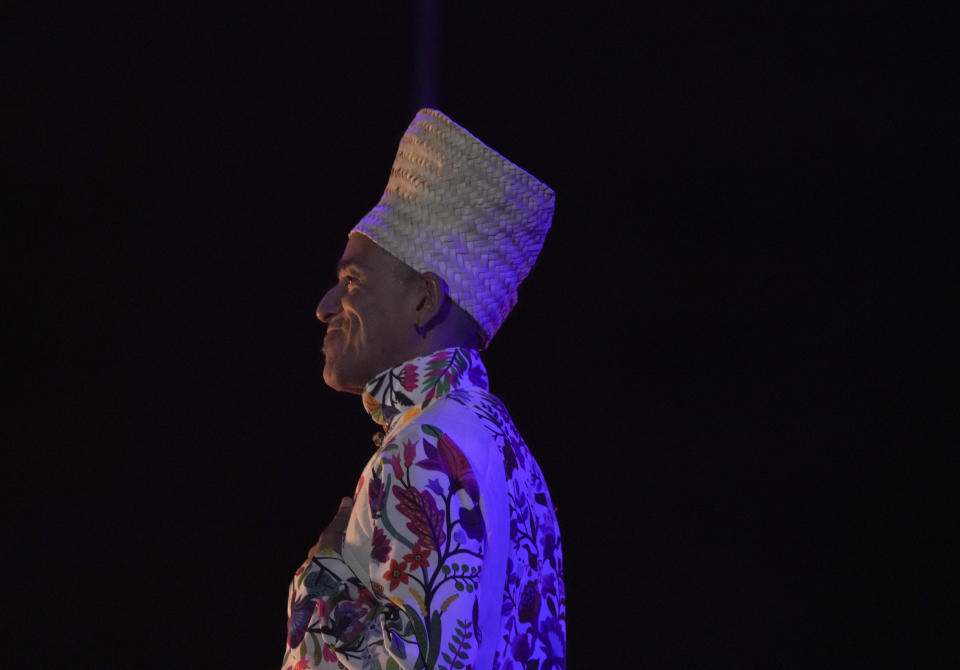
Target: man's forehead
<point>356,252</point>
<point>365,254</point>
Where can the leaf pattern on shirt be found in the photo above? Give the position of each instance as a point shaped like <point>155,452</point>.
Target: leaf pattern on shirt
<point>426,519</point>
<point>447,458</point>
<point>419,603</point>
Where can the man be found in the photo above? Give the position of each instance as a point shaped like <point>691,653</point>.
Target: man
<point>449,554</point>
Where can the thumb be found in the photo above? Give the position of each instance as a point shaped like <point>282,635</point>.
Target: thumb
<point>342,516</point>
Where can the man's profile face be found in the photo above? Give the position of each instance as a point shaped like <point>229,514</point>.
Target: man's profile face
<point>370,315</point>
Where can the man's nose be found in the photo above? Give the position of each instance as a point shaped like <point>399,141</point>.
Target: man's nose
<point>329,304</point>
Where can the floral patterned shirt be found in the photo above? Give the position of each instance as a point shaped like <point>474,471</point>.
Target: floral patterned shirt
<point>451,557</point>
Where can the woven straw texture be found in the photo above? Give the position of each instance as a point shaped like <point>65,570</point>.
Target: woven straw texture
<point>455,207</point>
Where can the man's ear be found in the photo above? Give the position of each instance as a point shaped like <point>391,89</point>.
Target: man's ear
<point>433,291</point>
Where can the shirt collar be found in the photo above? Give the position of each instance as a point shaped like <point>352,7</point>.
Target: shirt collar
<point>395,396</point>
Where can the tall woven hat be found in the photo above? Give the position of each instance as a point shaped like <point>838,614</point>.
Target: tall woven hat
<point>455,207</point>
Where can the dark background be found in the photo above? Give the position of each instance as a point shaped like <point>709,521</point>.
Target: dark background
<point>726,361</point>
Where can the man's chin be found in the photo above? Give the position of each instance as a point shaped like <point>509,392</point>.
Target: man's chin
<point>335,379</point>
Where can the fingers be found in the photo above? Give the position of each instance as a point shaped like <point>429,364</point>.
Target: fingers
<point>342,517</point>
<point>338,524</point>
<point>332,535</point>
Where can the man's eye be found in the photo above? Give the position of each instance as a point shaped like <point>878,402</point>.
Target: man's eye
<point>349,281</point>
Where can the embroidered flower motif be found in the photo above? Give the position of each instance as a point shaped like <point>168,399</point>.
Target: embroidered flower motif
<point>548,584</point>
<point>380,549</point>
<point>477,376</point>
<point>397,574</point>
<point>329,654</point>
<point>366,598</point>
<point>443,370</point>
<point>409,451</point>
<point>300,615</point>
<point>321,582</point>
<point>375,492</point>
<point>419,557</point>
<point>521,649</point>
<point>394,461</point>
<point>434,485</point>
<point>409,377</point>
<point>472,522</point>
<point>529,603</point>
<point>302,664</point>
<point>426,519</point>
<point>349,619</point>
<point>549,546</point>
<point>509,459</point>
<point>446,457</point>
<point>554,640</point>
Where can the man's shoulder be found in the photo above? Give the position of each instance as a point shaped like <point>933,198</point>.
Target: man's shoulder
<point>467,413</point>
<point>479,403</point>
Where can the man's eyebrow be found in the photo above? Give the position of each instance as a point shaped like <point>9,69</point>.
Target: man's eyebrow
<point>345,263</point>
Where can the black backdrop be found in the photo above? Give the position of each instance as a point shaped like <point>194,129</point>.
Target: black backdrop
<point>721,360</point>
